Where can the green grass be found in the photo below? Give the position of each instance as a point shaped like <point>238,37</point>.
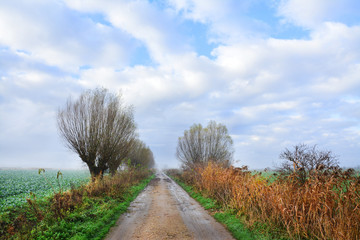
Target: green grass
<point>228,217</point>
<point>94,219</point>
<point>238,230</point>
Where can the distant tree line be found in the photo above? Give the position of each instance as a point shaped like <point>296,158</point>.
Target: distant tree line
<point>140,155</point>
<point>101,129</point>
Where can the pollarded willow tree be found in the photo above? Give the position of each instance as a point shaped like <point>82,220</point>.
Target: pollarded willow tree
<point>141,155</point>
<point>99,128</point>
<point>201,145</point>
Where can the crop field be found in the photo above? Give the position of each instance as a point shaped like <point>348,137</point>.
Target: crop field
<point>16,185</point>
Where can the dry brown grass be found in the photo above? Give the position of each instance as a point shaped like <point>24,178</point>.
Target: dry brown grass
<point>102,186</point>
<point>326,206</point>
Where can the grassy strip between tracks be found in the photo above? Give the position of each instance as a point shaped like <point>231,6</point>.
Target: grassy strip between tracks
<point>91,218</point>
<point>225,216</point>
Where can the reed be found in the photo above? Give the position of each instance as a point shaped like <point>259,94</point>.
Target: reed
<point>325,206</point>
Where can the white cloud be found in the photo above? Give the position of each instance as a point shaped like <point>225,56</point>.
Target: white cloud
<point>29,79</point>
<point>258,112</point>
<point>310,14</point>
<point>141,86</point>
<point>33,118</point>
<point>187,76</point>
<point>29,136</point>
<point>49,31</point>
<point>142,20</point>
<point>202,11</point>
<point>278,86</point>
<point>228,20</point>
<point>325,63</point>
<point>344,83</point>
<point>271,93</point>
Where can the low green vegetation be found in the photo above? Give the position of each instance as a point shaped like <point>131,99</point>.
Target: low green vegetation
<point>86,212</point>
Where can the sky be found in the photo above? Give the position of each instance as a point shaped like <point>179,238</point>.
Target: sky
<point>276,72</point>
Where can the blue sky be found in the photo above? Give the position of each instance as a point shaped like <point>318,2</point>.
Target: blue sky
<point>275,72</point>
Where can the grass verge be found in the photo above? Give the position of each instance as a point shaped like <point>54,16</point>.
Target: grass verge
<point>225,216</point>
<point>94,222</point>
<point>92,219</point>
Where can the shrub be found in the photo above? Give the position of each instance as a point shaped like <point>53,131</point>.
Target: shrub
<point>305,160</point>
<point>325,206</point>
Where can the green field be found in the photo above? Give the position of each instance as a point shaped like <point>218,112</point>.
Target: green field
<point>16,185</point>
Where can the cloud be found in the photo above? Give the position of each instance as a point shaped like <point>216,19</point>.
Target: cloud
<point>50,32</point>
<point>257,113</point>
<point>187,76</point>
<point>228,21</point>
<point>30,93</point>
<point>310,14</point>
<point>325,63</point>
<point>29,136</point>
<point>284,91</point>
<point>271,92</point>
<point>143,21</point>
<point>267,91</point>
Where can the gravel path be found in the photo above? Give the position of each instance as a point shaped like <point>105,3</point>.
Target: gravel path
<point>165,211</point>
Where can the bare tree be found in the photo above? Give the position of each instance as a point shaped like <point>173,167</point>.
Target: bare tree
<point>200,145</point>
<point>141,155</point>
<point>305,159</point>
<point>98,128</point>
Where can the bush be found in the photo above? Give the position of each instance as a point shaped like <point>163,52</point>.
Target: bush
<point>305,160</point>
<point>325,206</point>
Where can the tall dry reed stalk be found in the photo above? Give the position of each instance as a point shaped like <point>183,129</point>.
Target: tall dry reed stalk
<point>326,206</point>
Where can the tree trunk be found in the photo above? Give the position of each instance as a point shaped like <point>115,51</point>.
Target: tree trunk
<point>95,172</point>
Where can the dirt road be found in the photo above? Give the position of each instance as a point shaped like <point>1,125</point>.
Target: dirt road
<point>165,211</point>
